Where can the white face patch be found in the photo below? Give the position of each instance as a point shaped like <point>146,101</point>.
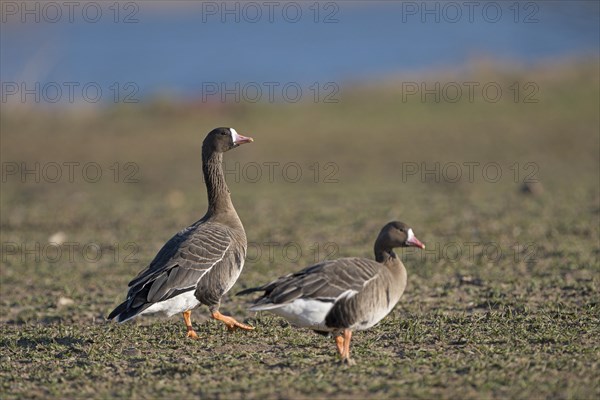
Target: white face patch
<point>234,135</point>
<point>411,235</point>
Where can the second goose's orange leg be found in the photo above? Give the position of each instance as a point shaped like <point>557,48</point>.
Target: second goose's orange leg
<point>346,354</point>
<point>187,317</point>
<point>231,323</point>
<point>339,342</point>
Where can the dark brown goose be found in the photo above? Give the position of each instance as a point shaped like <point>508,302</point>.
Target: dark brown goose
<point>343,295</point>
<point>202,262</point>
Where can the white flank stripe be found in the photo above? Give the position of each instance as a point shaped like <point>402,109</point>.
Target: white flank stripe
<point>305,313</point>
<point>347,294</point>
<point>174,305</point>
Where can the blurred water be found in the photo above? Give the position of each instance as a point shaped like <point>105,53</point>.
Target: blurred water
<point>181,47</point>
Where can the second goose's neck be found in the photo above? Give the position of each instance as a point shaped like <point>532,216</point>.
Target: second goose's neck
<point>385,256</point>
<point>384,253</point>
<point>219,199</point>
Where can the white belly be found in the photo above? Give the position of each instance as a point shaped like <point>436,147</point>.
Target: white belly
<point>178,304</point>
<point>305,313</point>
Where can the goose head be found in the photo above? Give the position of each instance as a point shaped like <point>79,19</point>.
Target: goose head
<point>221,140</point>
<point>397,234</point>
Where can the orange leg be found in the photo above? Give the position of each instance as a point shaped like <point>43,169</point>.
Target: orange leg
<point>187,317</point>
<point>339,342</point>
<point>231,323</point>
<point>346,352</point>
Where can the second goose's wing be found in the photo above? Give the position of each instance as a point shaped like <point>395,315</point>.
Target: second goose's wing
<point>328,282</point>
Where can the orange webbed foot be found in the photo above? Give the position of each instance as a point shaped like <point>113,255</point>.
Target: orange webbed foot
<point>230,322</point>
<point>192,334</point>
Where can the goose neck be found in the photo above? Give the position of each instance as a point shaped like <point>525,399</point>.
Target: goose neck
<point>219,199</point>
<point>385,255</point>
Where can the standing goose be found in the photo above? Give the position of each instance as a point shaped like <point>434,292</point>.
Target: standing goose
<point>343,295</point>
<point>202,262</point>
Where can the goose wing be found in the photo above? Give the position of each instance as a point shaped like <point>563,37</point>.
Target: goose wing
<point>328,281</point>
<point>180,264</point>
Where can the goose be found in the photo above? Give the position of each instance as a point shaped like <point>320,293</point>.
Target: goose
<point>344,295</point>
<point>201,262</point>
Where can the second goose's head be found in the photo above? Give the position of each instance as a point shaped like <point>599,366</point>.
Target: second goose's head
<point>221,140</point>
<point>397,234</point>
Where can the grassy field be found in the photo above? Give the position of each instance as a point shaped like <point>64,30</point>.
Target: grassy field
<point>504,302</point>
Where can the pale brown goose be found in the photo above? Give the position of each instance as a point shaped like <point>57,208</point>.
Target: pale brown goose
<point>202,262</point>
<point>343,295</point>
